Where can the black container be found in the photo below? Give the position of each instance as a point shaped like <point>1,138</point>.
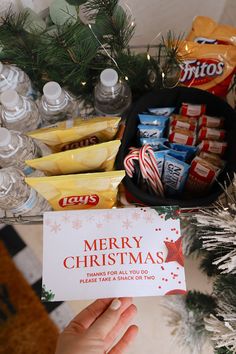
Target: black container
<point>174,98</point>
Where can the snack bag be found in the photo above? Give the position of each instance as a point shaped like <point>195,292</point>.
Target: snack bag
<point>216,147</point>
<point>72,134</point>
<point>182,136</point>
<point>150,119</point>
<point>155,143</point>
<point>214,159</point>
<point>207,67</point>
<point>192,110</point>
<point>82,191</point>
<point>177,121</point>
<point>202,174</point>
<point>211,134</point>
<point>100,157</point>
<point>207,31</point>
<point>174,175</point>
<point>211,122</point>
<point>150,131</point>
<point>162,111</point>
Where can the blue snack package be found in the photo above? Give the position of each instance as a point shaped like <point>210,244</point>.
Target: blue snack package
<point>160,157</point>
<point>174,175</point>
<point>179,155</point>
<point>149,119</point>
<point>162,111</point>
<point>150,131</point>
<point>191,150</point>
<point>155,143</point>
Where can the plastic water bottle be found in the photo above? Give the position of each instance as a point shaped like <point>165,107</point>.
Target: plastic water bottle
<point>111,96</point>
<point>15,148</point>
<point>56,104</point>
<point>17,197</point>
<point>19,112</point>
<point>12,77</point>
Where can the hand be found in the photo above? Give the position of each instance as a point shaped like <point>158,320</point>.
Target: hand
<point>94,330</point>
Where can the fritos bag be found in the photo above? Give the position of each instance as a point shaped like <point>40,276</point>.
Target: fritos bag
<point>207,31</point>
<point>100,157</point>
<point>82,191</point>
<point>71,134</point>
<point>207,67</point>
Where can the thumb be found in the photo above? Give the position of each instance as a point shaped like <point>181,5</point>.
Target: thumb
<point>104,324</point>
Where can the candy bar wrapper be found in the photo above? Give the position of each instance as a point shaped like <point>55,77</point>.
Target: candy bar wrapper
<point>201,176</point>
<point>100,157</point>
<point>192,110</point>
<point>211,134</point>
<point>82,191</point>
<point>212,158</point>
<point>153,120</point>
<point>79,132</point>
<point>182,136</point>
<point>150,131</point>
<point>178,123</point>
<point>155,143</point>
<point>211,122</point>
<point>174,175</point>
<point>190,150</point>
<point>162,111</point>
<point>216,147</point>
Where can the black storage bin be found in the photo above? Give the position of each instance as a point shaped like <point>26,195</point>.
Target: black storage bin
<point>174,98</point>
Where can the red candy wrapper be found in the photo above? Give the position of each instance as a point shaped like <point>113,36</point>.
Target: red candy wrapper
<point>192,110</point>
<point>211,134</point>
<point>211,122</point>
<point>176,123</point>
<point>216,147</point>
<point>201,176</point>
<point>182,136</point>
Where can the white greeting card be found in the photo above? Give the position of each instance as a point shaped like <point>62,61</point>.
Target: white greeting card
<point>90,254</point>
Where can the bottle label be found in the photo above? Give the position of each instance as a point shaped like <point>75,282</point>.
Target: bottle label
<point>28,205</point>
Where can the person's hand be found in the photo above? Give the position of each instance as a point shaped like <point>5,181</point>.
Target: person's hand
<point>94,330</point>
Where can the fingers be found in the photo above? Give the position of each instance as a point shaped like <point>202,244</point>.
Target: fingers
<point>86,317</point>
<point>125,318</point>
<point>125,341</point>
<point>107,321</point>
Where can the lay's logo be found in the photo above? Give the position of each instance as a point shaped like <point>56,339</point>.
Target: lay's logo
<point>79,200</point>
<point>200,71</point>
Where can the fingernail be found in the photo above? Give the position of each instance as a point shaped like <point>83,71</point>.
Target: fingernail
<point>115,305</point>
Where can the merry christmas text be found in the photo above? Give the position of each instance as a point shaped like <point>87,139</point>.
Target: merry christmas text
<point>127,253</point>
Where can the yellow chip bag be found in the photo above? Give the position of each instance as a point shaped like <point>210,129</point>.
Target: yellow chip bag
<point>82,191</point>
<point>207,67</point>
<point>100,157</point>
<point>79,132</point>
<point>207,31</point>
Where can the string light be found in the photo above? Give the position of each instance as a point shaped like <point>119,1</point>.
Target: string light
<point>83,83</point>
<point>148,56</point>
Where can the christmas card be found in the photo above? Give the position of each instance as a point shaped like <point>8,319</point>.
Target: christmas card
<point>90,254</point>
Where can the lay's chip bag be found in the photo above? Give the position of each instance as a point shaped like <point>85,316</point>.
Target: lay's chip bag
<point>79,191</point>
<point>207,67</point>
<point>100,157</point>
<point>79,132</point>
<point>205,30</point>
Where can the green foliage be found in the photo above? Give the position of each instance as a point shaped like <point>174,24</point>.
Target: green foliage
<point>47,295</point>
<point>76,2</point>
<point>225,288</point>
<point>223,350</point>
<point>200,303</point>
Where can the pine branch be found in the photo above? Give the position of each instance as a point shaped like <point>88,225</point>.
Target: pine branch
<point>105,7</point>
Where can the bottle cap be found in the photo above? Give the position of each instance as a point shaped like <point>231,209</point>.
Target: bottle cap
<point>9,98</point>
<point>1,66</point>
<point>52,90</point>
<point>5,137</point>
<point>109,77</point>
